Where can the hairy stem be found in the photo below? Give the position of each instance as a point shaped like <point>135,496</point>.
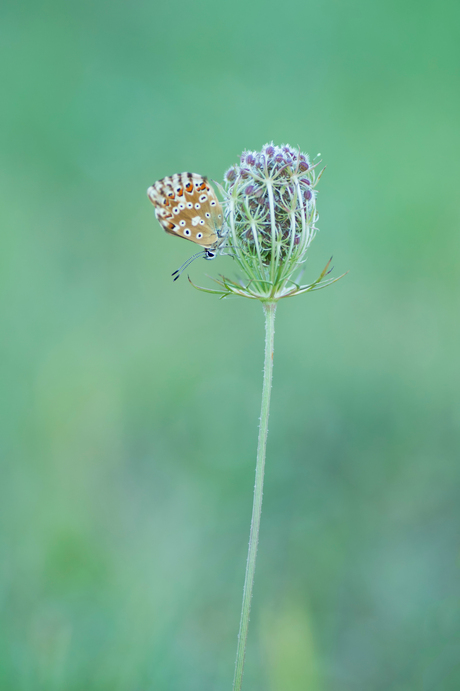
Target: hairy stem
<point>270,309</point>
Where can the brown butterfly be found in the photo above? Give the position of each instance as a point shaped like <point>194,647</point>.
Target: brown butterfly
<point>187,206</point>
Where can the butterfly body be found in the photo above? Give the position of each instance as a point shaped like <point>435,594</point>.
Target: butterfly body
<point>186,206</point>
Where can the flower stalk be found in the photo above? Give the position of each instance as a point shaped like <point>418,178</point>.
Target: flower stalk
<point>270,309</point>
<point>270,222</point>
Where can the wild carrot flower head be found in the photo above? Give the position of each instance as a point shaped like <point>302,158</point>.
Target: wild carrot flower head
<point>270,216</point>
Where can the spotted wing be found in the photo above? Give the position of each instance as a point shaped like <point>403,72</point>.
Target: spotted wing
<point>187,206</point>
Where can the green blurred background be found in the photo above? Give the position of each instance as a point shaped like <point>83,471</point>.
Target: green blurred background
<point>130,403</point>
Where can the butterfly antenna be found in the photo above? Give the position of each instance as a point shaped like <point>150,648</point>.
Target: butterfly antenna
<point>186,264</point>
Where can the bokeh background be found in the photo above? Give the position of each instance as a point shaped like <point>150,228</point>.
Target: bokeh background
<point>130,403</point>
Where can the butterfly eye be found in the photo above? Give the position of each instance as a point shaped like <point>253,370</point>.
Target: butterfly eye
<point>176,210</point>
<point>189,205</point>
<point>213,203</point>
<point>207,214</point>
<point>197,206</point>
<point>201,222</point>
<point>182,223</point>
<point>187,232</point>
<point>181,206</point>
<point>199,236</point>
<point>203,198</point>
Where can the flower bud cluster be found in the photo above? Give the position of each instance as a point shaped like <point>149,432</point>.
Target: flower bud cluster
<point>274,206</point>
<point>270,216</point>
<point>270,201</point>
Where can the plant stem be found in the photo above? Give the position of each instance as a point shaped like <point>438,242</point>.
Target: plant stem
<point>270,309</point>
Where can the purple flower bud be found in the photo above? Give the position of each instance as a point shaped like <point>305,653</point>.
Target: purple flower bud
<point>249,189</point>
<point>307,195</point>
<point>230,174</point>
<point>303,165</point>
<point>244,172</point>
<point>279,158</point>
<point>306,181</point>
<point>289,152</point>
<point>250,160</point>
<point>270,151</point>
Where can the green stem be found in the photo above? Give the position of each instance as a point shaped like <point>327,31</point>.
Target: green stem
<point>270,309</point>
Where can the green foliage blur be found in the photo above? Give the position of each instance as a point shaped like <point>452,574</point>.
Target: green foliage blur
<point>129,403</point>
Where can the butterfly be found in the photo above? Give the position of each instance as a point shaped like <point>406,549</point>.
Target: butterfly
<point>187,206</point>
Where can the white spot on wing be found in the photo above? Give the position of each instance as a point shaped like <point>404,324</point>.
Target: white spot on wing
<point>195,220</point>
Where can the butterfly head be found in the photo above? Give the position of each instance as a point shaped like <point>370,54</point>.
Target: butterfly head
<point>206,254</point>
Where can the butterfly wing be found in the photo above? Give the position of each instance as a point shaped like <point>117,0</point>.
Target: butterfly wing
<point>187,206</point>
